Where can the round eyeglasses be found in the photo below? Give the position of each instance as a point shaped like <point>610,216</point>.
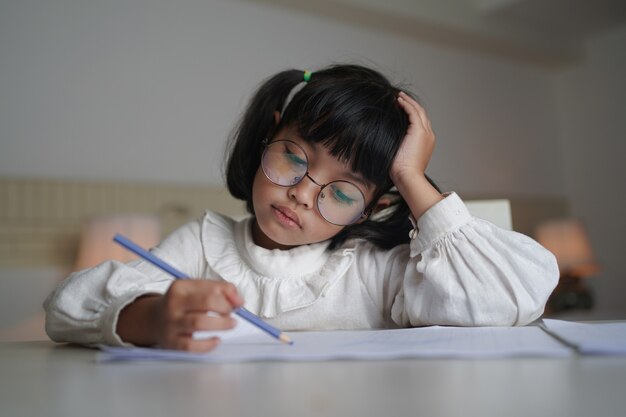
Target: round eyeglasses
<point>286,164</point>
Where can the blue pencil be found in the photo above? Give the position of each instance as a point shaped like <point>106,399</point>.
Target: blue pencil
<point>241,312</point>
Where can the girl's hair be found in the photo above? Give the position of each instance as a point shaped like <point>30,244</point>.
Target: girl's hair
<point>349,109</point>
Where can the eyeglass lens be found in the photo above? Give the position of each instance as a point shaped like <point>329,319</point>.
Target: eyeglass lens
<point>285,163</point>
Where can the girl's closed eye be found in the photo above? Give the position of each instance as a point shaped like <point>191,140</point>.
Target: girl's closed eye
<point>339,196</point>
<point>294,158</point>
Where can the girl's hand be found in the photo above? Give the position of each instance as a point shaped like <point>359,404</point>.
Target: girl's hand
<point>170,320</point>
<point>409,166</point>
<point>418,144</point>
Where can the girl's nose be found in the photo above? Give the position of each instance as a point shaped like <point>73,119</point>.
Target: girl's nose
<point>305,192</point>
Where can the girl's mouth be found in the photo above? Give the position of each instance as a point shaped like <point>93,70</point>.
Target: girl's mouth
<point>287,217</point>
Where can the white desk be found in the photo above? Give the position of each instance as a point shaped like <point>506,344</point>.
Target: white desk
<point>44,379</point>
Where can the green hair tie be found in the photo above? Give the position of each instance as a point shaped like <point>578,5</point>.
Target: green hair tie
<point>307,76</point>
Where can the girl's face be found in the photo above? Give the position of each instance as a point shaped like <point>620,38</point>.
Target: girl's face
<point>288,216</point>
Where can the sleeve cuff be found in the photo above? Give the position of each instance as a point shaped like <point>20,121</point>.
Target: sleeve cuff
<point>109,325</point>
<point>441,219</point>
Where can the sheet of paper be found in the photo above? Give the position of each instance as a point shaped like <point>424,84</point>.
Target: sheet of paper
<point>590,338</point>
<point>427,342</point>
<point>243,329</point>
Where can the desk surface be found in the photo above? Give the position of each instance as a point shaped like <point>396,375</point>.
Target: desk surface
<point>44,379</point>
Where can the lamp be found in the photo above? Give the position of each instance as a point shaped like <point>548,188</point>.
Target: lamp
<point>567,239</point>
<point>96,238</point>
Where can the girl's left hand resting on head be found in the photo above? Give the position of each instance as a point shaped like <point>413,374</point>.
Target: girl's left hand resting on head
<point>409,166</point>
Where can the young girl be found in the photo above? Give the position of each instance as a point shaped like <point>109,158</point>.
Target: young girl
<point>346,232</point>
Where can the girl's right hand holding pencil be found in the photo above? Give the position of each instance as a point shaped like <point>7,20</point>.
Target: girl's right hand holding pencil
<point>170,320</point>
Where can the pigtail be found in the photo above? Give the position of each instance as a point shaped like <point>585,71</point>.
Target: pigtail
<point>257,123</point>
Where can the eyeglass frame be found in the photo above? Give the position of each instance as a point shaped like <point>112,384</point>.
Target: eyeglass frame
<point>364,213</point>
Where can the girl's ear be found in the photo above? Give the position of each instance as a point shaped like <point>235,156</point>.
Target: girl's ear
<point>382,203</point>
<point>272,131</point>
<point>276,118</point>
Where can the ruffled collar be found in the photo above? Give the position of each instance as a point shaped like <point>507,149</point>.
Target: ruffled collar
<point>283,264</point>
<point>271,281</point>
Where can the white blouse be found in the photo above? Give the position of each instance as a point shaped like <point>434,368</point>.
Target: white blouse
<point>457,270</point>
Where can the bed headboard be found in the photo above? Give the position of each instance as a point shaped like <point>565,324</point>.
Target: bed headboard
<point>40,219</point>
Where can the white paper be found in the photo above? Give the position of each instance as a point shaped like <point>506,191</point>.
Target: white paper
<point>427,342</point>
<point>590,338</point>
<point>243,329</point>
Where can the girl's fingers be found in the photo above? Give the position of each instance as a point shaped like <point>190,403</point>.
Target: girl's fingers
<point>213,300</point>
<point>230,291</point>
<point>416,148</point>
<point>409,108</point>
<point>416,124</point>
<point>185,309</point>
<point>192,322</point>
<point>201,296</point>
<point>414,106</point>
<point>187,343</point>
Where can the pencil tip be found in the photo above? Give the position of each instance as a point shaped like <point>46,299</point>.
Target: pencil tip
<point>285,339</point>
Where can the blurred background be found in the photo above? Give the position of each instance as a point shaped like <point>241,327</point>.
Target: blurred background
<point>114,117</point>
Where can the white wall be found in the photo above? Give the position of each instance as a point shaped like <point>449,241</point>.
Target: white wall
<point>148,90</point>
<point>592,133</point>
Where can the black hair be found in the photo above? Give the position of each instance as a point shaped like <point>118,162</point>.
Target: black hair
<point>349,109</point>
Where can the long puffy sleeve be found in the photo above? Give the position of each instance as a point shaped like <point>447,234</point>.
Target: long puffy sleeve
<point>465,271</point>
<point>85,307</point>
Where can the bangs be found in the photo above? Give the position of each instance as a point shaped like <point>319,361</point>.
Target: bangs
<point>359,123</point>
